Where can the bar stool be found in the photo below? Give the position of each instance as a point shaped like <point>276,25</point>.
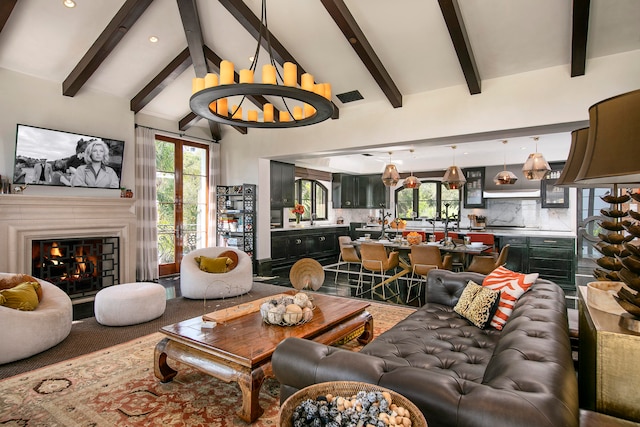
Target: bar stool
<point>375,259</point>
<point>485,264</point>
<point>423,260</point>
<point>348,255</point>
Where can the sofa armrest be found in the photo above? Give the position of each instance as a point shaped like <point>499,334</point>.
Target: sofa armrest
<point>299,363</point>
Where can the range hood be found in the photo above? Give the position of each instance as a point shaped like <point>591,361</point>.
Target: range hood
<point>522,189</point>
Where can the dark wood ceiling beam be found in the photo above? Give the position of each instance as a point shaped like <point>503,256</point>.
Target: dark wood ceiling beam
<point>128,14</point>
<point>457,31</point>
<point>164,78</point>
<point>193,32</point>
<point>579,33</point>
<point>252,24</point>
<point>358,41</point>
<point>6,7</point>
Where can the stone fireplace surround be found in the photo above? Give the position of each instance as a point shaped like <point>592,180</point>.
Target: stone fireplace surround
<point>25,218</point>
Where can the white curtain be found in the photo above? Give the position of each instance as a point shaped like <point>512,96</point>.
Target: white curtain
<point>146,211</point>
<point>214,179</point>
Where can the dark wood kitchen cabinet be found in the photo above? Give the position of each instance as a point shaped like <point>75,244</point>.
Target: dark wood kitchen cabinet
<point>344,191</point>
<point>552,196</point>
<point>289,246</point>
<point>517,256</point>
<point>358,191</point>
<point>473,188</point>
<point>282,183</point>
<point>554,259</point>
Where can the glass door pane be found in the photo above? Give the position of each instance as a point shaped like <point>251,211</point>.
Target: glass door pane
<point>194,201</point>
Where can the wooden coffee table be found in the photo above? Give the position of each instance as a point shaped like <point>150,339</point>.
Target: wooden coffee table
<point>240,350</point>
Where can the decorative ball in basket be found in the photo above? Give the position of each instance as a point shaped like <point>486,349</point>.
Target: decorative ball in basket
<point>362,403</point>
<point>287,310</point>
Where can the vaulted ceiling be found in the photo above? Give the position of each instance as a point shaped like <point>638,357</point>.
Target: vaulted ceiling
<point>384,50</point>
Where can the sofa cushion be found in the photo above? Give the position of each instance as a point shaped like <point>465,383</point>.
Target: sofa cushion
<point>477,304</point>
<point>511,286</point>
<point>21,297</point>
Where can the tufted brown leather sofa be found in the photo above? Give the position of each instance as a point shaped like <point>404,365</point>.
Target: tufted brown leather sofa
<point>457,374</point>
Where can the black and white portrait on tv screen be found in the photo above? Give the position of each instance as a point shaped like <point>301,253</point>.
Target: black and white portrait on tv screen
<point>56,158</point>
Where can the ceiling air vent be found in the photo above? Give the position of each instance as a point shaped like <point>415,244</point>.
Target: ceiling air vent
<point>354,95</point>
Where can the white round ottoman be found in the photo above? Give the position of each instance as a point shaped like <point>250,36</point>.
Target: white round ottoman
<point>130,303</point>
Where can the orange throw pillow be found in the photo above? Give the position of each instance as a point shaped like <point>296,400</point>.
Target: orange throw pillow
<point>233,256</point>
<point>511,286</point>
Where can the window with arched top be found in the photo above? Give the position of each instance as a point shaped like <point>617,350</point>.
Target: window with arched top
<point>313,195</point>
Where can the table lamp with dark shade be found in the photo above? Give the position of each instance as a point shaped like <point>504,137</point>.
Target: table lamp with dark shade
<point>607,153</point>
<point>612,153</point>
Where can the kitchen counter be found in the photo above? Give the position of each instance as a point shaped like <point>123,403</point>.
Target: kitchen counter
<point>498,231</point>
<point>309,227</point>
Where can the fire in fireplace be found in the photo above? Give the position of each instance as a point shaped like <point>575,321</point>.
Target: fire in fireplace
<point>78,266</point>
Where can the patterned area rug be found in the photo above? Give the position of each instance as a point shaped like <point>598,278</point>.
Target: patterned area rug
<point>116,387</point>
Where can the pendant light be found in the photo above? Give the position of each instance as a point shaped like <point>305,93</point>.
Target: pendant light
<point>390,176</point>
<point>505,177</point>
<point>536,167</point>
<point>411,181</point>
<point>453,178</point>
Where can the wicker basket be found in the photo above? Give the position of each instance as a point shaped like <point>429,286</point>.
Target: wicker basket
<point>345,389</point>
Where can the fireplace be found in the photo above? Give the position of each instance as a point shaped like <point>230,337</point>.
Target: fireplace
<point>78,266</point>
<point>25,219</point>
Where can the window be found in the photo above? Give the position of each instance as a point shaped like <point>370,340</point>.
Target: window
<point>313,196</point>
<point>430,200</point>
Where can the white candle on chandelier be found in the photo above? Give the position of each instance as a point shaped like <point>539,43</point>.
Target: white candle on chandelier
<point>222,107</point>
<point>197,84</point>
<point>306,82</point>
<point>267,113</point>
<point>246,76</point>
<point>226,72</point>
<point>268,74</point>
<point>210,80</point>
<point>290,74</point>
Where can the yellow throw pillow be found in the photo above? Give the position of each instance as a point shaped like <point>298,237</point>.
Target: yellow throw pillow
<point>213,265</point>
<point>21,297</point>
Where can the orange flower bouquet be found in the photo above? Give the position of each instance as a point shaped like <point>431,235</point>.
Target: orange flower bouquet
<point>298,210</point>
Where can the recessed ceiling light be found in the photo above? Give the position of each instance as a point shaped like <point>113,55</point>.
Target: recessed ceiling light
<point>153,39</point>
<point>69,3</point>
<point>251,58</point>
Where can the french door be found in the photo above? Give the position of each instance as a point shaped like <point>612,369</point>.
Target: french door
<point>182,181</point>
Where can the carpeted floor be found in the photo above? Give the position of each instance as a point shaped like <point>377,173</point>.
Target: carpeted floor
<point>116,386</point>
<point>87,335</point>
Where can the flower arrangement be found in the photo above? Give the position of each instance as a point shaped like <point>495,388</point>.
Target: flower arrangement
<point>298,210</point>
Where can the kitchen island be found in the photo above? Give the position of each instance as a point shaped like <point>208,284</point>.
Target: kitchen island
<point>550,253</point>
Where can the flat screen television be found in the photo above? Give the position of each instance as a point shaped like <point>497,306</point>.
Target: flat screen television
<point>57,158</point>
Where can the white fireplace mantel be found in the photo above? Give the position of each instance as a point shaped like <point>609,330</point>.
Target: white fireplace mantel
<point>24,219</point>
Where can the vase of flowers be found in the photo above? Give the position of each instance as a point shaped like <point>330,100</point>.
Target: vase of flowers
<point>298,210</point>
